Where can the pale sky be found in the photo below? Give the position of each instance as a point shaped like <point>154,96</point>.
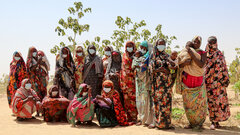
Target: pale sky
<point>28,23</point>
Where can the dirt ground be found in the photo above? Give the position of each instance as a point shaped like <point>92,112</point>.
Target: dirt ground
<point>9,126</point>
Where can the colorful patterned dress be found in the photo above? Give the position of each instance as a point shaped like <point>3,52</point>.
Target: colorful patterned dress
<point>16,75</point>
<point>43,70</point>
<point>80,108</point>
<point>55,108</point>
<point>65,74</point>
<point>127,81</point>
<point>21,106</point>
<point>162,84</point>
<point>32,71</point>
<point>115,115</point>
<point>217,80</point>
<point>93,72</point>
<point>193,91</point>
<point>79,63</point>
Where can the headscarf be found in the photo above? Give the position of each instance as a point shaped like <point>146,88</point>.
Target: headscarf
<point>199,39</point>
<point>45,60</point>
<point>30,59</point>
<point>109,84</point>
<point>51,90</point>
<point>69,64</point>
<point>77,60</point>
<point>81,87</point>
<point>14,65</point>
<point>114,66</point>
<point>133,45</point>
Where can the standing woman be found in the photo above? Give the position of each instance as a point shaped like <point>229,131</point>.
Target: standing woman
<point>127,80</point>
<point>143,88</point>
<point>107,52</point>
<point>162,81</point>
<point>217,80</point>
<point>43,70</point>
<point>16,75</point>
<point>113,72</point>
<point>32,68</point>
<point>64,74</point>
<point>93,71</point>
<point>79,63</point>
<point>191,84</point>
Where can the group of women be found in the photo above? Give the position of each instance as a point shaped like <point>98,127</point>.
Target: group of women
<point>123,89</point>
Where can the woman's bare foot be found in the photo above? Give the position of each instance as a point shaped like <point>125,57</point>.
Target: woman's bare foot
<point>139,123</point>
<point>151,126</point>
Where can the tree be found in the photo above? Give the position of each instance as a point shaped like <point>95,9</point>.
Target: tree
<point>71,28</point>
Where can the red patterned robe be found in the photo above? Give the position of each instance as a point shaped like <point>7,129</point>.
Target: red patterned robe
<point>217,80</point>
<point>127,81</point>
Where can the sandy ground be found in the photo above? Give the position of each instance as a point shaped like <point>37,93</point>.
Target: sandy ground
<point>9,126</point>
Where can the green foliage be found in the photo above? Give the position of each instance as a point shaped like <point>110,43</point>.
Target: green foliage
<point>177,113</point>
<point>234,70</point>
<point>71,28</point>
<point>237,116</point>
<point>3,83</point>
<point>237,86</point>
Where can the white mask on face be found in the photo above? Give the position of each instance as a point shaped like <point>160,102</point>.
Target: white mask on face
<point>84,94</point>
<point>54,93</point>
<point>129,49</point>
<point>107,89</point>
<point>161,47</point>
<point>79,54</point>
<point>143,51</point>
<point>17,58</point>
<point>91,51</point>
<point>34,54</point>
<point>64,55</point>
<point>28,86</point>
<point>108,53</point>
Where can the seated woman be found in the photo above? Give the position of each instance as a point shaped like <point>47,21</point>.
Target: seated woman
<point>55,106</point>
<point>109,109</point>
<point>81,107</point>
<point>25,101</point>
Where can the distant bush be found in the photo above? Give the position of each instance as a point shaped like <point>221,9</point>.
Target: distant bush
<point>177,113</point>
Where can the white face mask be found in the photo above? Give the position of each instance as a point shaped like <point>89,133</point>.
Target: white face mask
<point>143,51</point>
<point>17,58</point>
<point>108,53</point>
<point>64,55</point>
<point>34,54</point>
<point>54,93</point>
<point>107,89</point>
<point>84,94</point>
<point>161,47</point>
<point>28,86</point>
<point>91,51</point>
<point>129,49</point>
<point>79,54</point>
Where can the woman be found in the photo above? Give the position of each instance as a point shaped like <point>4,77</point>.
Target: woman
<point>113,72</point>
<point>217,80</point>
<point>112,113</point>
<point>93,71</point>
<point>145,113</point>
<point>192,86</point>
<point>162,82</point>
<point>25,101</point>
<point>54,106</point>
<point>32,69</point>
<point>16,75</point>
<point>43,69</point>
<point>127,80</point>
<point>107,52</point>
<point>79,63</point>
<point>64,74</point>
<point>81,107</point>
